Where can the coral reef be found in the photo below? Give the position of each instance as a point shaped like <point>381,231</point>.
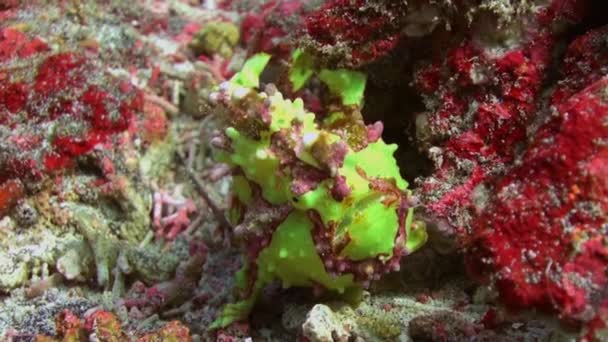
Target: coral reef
<point>78,139</point>
<point>370,170</point>
<point>551,211</point>
<point>522,206</point>
<point>480,98</point>
<point>356,32</point>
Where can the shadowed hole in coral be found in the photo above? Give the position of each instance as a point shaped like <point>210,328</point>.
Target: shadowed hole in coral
<point>595,18</point>
<point>396,106</point>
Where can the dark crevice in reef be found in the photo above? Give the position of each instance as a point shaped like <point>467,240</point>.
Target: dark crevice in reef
<point>595,18</point>
<point>396,108</point>
<point>390,98</point>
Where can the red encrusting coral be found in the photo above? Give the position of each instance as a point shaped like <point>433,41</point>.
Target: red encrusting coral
<point>585,62</point>
<point>11,192</point>
<point>366,30</point>
<point>16,44</point>
<point>268,28</point>
<point>483,106</point>
<point>538,232</point>
<point>187,33</point>
<point>480,104</point>
<point>543,236</point>
<point>71,94</point>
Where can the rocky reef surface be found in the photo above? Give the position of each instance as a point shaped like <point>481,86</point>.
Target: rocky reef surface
<point>290,170</point>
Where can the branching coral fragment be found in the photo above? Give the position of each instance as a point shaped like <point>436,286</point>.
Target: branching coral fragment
<point>171,213</point>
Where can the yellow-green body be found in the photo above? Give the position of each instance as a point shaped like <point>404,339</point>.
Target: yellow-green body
<point>367,220</point>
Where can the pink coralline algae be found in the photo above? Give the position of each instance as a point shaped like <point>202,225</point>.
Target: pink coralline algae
<point>171,214</point>
<point>177,291</point>
<point>100,325</point>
